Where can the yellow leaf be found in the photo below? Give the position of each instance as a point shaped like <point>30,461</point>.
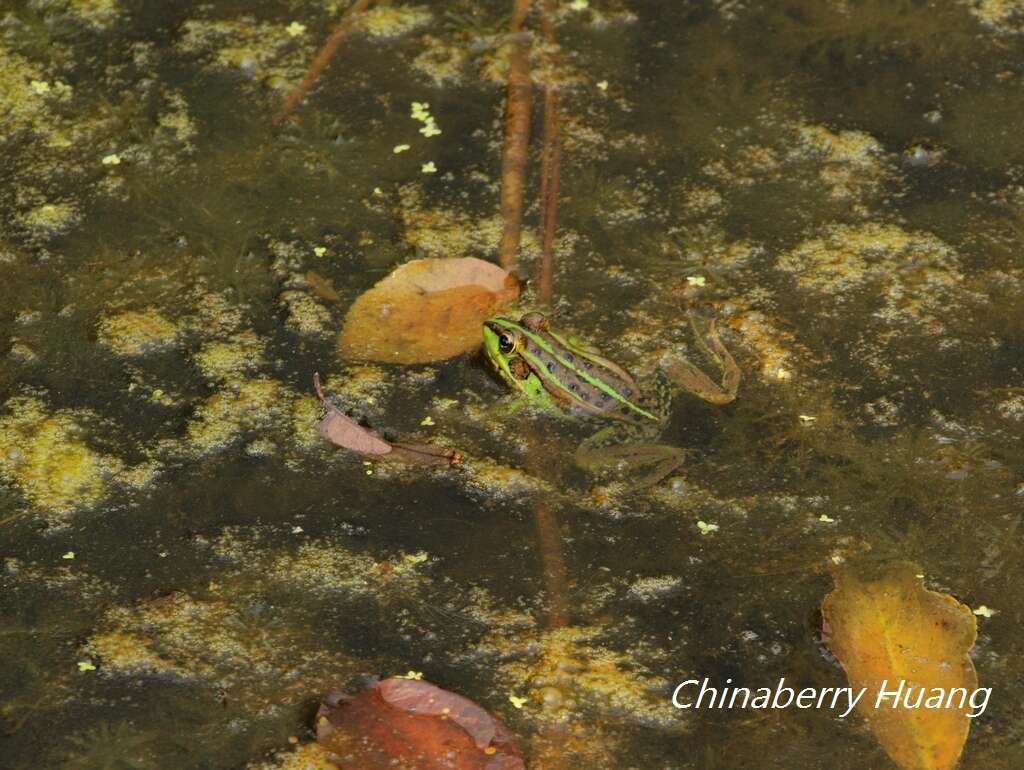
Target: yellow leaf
<point>426,310</point>
<point>887,629</point>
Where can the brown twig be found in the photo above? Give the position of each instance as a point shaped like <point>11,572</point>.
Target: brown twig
<point>549,538</point>
<point>551,163</point>
<point>517,137</point>
<point>323,57</point>
<point>551,160</point>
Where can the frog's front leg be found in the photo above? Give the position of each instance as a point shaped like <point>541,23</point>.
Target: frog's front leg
<point>693,380</point>
<point>604,451</point>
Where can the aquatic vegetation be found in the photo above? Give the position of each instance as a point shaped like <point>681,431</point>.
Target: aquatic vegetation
<point>853,163</point>
<point>567,672</point>
<point>265,52</point>
<point>842,194</point>
<point>231,359</point>
<point>1005,17</point>
<point>225,641</point>
<point>137,332</point>
<point>306,316</point>
<point>45,455</point>
<point>51,218</point>
<point>242,407</point>
<point>918,276</point>
<point>97,13</point>
<point>386,21</point>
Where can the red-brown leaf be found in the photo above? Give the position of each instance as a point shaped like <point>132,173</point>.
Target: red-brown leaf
<point>404,724</point>
<point>340,429</point>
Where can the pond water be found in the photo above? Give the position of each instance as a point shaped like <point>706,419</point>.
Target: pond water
<point>188,567</point>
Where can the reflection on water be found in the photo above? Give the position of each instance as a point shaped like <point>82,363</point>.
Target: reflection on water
<point>188,567</point>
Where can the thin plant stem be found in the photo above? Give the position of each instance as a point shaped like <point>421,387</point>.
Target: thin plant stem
<point>348,22</point>
<point>517,137</point>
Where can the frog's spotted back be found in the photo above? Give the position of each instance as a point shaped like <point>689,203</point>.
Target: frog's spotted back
<point>574,378</point>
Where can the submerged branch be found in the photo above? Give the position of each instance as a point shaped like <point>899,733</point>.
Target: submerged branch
<point>323,57</point>
<point>549,538</point>
<point>551,163</point>
<point>517,137</point>
<point>551,160</point>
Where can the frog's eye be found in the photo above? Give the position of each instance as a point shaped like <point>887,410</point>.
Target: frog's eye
<point>506,343</point>
<point>519,368</point>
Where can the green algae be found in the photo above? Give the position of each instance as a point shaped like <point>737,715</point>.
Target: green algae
<point>161,302</point>
<point>387,21</point>
<point>232,358</point>
<point>45,456</point>
<point>137,332</point>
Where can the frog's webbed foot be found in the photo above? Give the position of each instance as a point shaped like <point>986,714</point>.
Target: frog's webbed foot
<point>693,380</point>
<point>626,459</point>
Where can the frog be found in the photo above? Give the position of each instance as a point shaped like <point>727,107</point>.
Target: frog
<point>561,374</point>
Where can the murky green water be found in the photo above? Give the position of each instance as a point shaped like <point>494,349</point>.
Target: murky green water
<point>188,567</point>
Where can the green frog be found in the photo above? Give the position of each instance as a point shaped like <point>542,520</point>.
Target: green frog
<point>559,373</point>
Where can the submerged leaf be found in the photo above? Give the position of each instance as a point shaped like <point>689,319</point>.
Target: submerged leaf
<point>408,724</point>
<point>887,629</point>
<point>341,430</point>
<point>426,310</point>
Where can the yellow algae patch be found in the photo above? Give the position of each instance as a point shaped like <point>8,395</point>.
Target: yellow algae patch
<point>774,346</point>
<point>21,106</point>
<point>440,232</point>
<point>566,672</point>
<point>1003,16</point>
<point>44,456</point>
<point>230,359</point>
<point>247,405</point>
<point>440,60</point>
<point>51,217</point>
<point>306,315</point>
<point>128,654</point>
<point>137,332</point>
<point>97,13</point>
<point>916,270</point>
<point>266,51</point>
<point>218,640</point>
<point>853,163</point>
<point>319,567</point>
<point>307,756</point>
<point>306,413</point>
<point>394,20</point>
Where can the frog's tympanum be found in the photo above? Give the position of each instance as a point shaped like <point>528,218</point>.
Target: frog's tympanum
<point>561,374</point>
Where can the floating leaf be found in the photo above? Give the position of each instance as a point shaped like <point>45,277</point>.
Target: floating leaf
<point>341,430</point>
<point>886,628</point>
<point>409,724</point>
<point>426,310</point>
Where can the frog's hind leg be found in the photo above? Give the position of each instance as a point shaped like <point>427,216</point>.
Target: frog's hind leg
<point>628,459</point>
<point>694,381</point>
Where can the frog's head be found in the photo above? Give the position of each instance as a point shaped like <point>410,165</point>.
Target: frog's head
<point>503,338</point>
<point>504,344</point>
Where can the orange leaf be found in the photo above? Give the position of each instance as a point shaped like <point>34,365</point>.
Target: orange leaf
<point>887,629</point>
<point>426,310</point>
